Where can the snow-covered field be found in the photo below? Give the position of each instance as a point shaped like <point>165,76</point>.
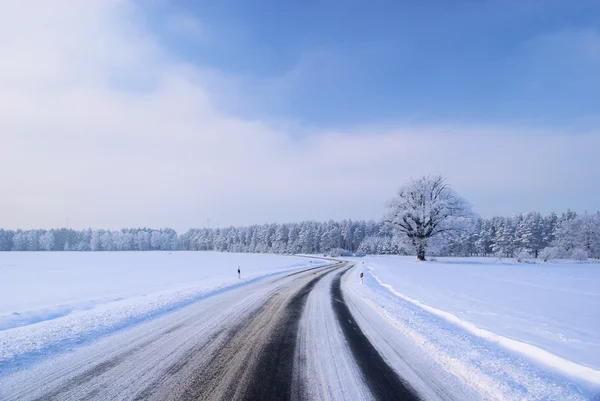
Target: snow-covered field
<point>50,301</point>
<point>547,313</point>
<point>456,328</point>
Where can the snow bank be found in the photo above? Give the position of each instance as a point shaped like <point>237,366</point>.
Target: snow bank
<point>49,301</point>
<point>548,312</point>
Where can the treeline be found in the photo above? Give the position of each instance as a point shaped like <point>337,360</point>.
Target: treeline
<point>304,237</point>
<point>63,239</point>
<point>331,237</point>
<point>524,235</point>
<point>531,235</point>
<point>528,235</point>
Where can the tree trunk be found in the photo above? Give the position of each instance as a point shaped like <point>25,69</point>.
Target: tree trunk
<point>421,253</point>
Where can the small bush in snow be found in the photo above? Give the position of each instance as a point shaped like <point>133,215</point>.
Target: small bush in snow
<point>580,254</point>
<point>360,254</point>
<point>553,252</point>
<point>524,256</point>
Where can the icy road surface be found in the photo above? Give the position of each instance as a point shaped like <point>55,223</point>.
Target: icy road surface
<point>239,344</point>
<point>312,333</point>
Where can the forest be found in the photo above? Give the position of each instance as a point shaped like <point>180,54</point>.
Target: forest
<point>569,235</point>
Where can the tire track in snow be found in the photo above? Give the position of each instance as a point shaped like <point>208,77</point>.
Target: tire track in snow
<point>205,351</point>
<point>272,378</point>
<point>381,378</point>
<point>256,360</point>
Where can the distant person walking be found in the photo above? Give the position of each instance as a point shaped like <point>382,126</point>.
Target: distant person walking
<point>239,273</point>
<point>361,277</point>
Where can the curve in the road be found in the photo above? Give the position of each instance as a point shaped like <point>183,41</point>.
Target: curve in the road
<point>382,379</point>
<point>238,346</point>
<point>272,378</point>
<point>256,360</point>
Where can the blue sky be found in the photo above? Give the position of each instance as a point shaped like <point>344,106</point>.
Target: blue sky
<point>127,113</point>
<point>331,63</point>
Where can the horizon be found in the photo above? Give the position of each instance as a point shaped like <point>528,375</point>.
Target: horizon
<point>180,232</point>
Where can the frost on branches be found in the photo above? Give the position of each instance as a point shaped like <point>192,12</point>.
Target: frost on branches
<point>426,208</point>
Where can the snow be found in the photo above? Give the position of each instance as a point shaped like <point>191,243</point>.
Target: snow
<point>456,328</point>
<point>53,300</point>
<point>322,356</point>
<point>546,313</point>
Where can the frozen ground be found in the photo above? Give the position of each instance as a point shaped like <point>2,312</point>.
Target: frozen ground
<point>123,325</point>
<point>293,329</point>
<point>543,313</point>
<point>50,301</point>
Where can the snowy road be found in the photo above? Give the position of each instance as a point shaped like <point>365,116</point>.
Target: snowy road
<point>308,334</point>
<point>288,337</point>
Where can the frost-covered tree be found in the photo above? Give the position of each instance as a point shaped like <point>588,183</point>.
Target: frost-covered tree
<point>107,241</point>
<point>505,243</point>
<point>565,232</point>
<point>156,240</point>
<point>306,237</point>
<point>6,240</point>
<point>19,241</point>
<point>459,242</point>
<point>280,239</point>
<point>95,242</point>
<point>294,246</point>
<point>32,240</point>
<point>483,244</point>
<point>588,233</point>
<point>378,245</point>
<point>331,236</point>
<point>425,208</point>
<point>549,225</point>
<point>143,240</point>
<point>530,233</point>
<point>46,241</point>
<point>369,245</point>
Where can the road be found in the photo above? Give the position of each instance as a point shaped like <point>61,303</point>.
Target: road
<point>292,336</point>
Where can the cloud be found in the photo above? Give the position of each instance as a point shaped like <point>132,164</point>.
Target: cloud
<point>77,143</point>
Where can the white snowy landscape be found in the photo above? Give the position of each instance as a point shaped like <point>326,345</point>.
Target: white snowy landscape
<point>504,330</point>
<point>545,313</point>
<point>52,301</point>
<point>553,306</point>
<point>520,325</point>
<point>298,201</point>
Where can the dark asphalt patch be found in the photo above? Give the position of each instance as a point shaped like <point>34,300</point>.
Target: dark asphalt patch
<point>382,379</point>
<point>213,369</point>
<point>272,376</point>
